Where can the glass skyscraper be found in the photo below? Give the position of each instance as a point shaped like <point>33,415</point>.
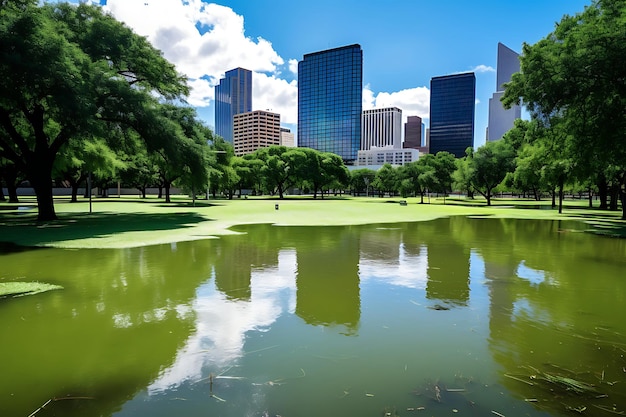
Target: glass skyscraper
<point>330,90</point>
<point>233,95</point>
<point>452,106</point>
<point>501,120</point>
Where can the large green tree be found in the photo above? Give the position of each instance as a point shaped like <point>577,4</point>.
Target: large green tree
<point>68,72</point>
<point>489,166</point>
<point>577,74</point>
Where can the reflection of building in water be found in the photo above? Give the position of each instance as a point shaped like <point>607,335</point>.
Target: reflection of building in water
<point>385,256</point>
<point>380,244</point>
<point>328,279</point>
<point>448,272</point>
<point>235,263</point>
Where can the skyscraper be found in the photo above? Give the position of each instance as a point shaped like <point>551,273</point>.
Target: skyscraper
<point>501,119</point>
<point>233,95</point>
<point>452,106</point>
<point>413,132</point>
<point>381,127</point>
<point>330,89</point>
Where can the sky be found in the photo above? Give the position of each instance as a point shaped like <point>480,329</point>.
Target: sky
<point>405,43</point>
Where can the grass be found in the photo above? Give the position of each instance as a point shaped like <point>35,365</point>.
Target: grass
<point>131,221</point>
<point>18,289</point>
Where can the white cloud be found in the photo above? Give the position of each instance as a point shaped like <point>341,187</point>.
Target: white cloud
<point>293,66</point>
<point>483,68</point>
<point>172,26</point>
<point>202,92</point>
<point>276,95</point>
<point>413,101</point>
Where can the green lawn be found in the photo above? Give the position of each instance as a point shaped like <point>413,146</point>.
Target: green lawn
<point>131,222</point>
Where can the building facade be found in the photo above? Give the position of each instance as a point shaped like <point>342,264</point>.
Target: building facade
<point>501,120</point>
<point>381,127</point>
<point>375,157</point>
<point>254,130</point>
<point>287,137</point>
<point>330,90</point>
<point>414,136</point>
<point>233,95</point>
<point>452,108</point>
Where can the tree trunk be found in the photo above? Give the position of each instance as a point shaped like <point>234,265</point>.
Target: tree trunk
<point>12,191</point>
<point>553,198</point>
<point>622,195</point>
<point>2,197</point>
<point>603,192</point>
<point>11,176</point>
<point>615,196</point>
<point>74,198</point>
<point>39,173</point>
<point>167,192</point>
<point>488,197</point>
<point>560,196</point>
<point>590,194</point>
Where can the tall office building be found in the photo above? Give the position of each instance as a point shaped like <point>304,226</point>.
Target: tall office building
<point>381,127</point>
<point>501,120</point>
<point>254,130</point>
<point>452,107</point>
<point>330,90</point>
<point>233,95</point>
<point>413,132</point>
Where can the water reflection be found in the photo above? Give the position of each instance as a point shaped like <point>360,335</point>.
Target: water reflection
<point>260,320</point>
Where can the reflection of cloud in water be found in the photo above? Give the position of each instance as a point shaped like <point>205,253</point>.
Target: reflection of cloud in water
<point>524,310</point>
<point>534,276</point>
<point>222,323</point>
<point>409,271</point>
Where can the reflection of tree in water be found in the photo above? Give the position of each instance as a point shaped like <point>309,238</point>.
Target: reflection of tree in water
<point>563,331</point>
<point>117,323</point>
<point>328,278</point>
<point>448,259</point>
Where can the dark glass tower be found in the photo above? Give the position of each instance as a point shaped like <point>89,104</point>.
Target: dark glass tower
<point>330,90</point>
<point>452,104</point>
<point>233,95</point>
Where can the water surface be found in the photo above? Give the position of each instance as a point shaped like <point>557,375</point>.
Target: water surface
<point>457,316</point>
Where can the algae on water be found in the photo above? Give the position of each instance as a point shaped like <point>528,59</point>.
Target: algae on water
<point>20,288</point>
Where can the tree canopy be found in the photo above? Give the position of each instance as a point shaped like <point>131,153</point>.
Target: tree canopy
<point>576,78</point>
<point>71,73</point>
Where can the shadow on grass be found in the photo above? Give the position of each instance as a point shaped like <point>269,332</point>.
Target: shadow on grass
<point>26,231</point>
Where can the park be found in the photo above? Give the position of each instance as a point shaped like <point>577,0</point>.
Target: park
<point>280,283</point>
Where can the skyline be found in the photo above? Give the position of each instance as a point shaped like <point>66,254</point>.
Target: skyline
<point>405,43</point>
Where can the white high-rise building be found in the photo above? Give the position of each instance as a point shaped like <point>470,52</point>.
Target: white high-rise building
<point>501,120</point>
<point>381,128</point>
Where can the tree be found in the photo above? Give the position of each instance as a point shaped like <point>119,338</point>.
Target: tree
<point>386,180</point>
<point>319,170</point>
<point>489,166</point>
<point>462,179</point>
<point>71,71</point>
<point>414,178</point>
<point>360,180</point>
<point>576,74</point>
<point>279,171</point>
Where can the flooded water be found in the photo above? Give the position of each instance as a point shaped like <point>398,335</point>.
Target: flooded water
<point>457,316</point>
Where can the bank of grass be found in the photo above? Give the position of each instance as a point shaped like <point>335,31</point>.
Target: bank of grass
<point>131,222</point>
<point>20,288</point>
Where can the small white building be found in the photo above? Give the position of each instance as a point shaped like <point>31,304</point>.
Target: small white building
<point>376,157</point>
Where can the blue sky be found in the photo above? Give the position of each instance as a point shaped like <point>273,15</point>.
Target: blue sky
<point>405,43</point>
